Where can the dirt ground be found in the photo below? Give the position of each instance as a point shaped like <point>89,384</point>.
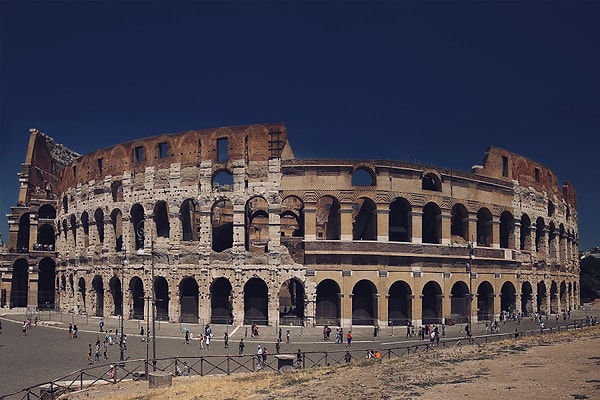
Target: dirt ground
<point>558,366</point>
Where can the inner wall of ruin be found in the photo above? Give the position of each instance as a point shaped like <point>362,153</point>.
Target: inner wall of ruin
<point>227,226</point>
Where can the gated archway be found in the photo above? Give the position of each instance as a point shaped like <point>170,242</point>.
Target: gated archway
<point>136,290</point>
<point>432,303</point>
<point>459,302</point>
<point>526,298</point>
<point>221,310</point>
<point>46,288</point>
<point>291,302</point>
<point>485,302</point>
<point>541,297</point>
<point>328,303</point>
<point>161,293</point>
<point>364,303</point>
<point>188,300</point>
<point>399,304</point>
<point>98,286</point>
<point>508,297</point>
<point>256,301</point>
<point>117,295</point>
<point>81,289</point>
<point>19,284</point>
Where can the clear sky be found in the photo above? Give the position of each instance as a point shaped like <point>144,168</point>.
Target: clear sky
<point>429,82</point>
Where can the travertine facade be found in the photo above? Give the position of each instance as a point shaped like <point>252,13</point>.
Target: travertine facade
<point>232,228</point>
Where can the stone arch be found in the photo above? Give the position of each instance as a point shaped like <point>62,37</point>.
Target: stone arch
<point>137,295</point>
<point>99,218</point>
<point>553,298</point>
<point>161,219</point>
<point>400,221</point>
<point>116,220</point>
<point>256,302</point>
<point>98,286</point>
<point>85,224</point>
<point>507,230</point>
<point>431,181</point>
<point>116,290</point>
<point>400,304</point>
<point>221,307</point>
<point>485,301</point>
<point>161,293</point>
<point>46,279</point>
<point>525,232</point>
<point>116,190</point>
<point>364,219</point>
<point>188,300</point>
<point>19,286</point>
<point>23,233</point>
<point>256,225</point>
<point>459,302</point>
<point>73,227</point>
<point>459,224</point>
<point>432,224</point>
<point>138,226</point>
<point>222,225</point>
<point>46,237</point>
<point>363,175</point>
<point>541,297</point>
<point>364,303</point>
<point>563,296</point>
<point>82,290</point>
<point>291,302</point>
<point>508,299</point>
<point>484,227</point>
<point>189,215</point>
<point>526,298</point>
<point>222,181</point>
<point>328,311</point>
<point>47,211</point>
<point>431,303</point>
<point>328,220</point>
<point>292,217</point>
<point>540,226</point>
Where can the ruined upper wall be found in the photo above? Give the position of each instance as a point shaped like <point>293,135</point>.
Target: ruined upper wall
<point>44,161</point>
<point>250,142</point>
<point>502,164</point>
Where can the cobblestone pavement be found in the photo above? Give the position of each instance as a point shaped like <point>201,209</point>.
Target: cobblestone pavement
<point>47,353</point>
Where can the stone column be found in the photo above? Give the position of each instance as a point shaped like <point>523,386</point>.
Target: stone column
<point>310,222</point>
<point>446,228</point>
<point>383,223</point>
<point>495,234</point>
<point>346,230</point>
<point>417,226</point>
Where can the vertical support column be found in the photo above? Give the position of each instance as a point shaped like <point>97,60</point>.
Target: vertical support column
<point>310,222</point>
<point>446,228</point>
<point>446,306</point>
<point>379,312</point>
<point>417,226</point>
<point>345,316</point>
<point>204,301</point>
<point>33,231</point>
<point>472,222</point>
<point>497,299</point>
<point>383,223</point>
<point>417,307</point>
<point>495,234</point>
<point>346,233</point>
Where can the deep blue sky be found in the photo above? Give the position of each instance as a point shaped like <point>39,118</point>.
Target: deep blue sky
<point>428,82</point>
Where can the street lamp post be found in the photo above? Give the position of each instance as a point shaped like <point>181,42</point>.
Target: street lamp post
<point>470,295</point>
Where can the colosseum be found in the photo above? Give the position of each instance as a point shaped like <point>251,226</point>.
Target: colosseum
<point>226,226</point>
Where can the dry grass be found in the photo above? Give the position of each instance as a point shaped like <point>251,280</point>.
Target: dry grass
<point>399,378</point>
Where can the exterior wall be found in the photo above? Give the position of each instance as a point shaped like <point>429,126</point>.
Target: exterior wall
<point>295,240</point>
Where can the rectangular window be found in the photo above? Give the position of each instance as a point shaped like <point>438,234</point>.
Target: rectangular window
<point>101,166</point>
<point>139,154</point>
<point>75,171</point>
<point>504,166</point>
<point>536,172</point>
<point>163,150</point>
<point>222,149</point>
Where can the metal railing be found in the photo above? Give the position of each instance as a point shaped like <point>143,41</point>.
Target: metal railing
<point>228,364</point>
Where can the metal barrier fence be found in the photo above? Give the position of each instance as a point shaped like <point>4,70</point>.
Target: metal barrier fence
<point>215,364</point>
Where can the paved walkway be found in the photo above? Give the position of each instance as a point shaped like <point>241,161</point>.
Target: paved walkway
<point>47,353</point>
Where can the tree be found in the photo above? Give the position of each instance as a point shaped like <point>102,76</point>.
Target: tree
<point>590,277</point>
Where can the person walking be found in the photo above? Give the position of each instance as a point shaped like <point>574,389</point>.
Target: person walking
<point>349,338</point>
<point>226,340</point>
<point>89,358</point>
<point>287,336</point>
<point>75,329</point>
<point>187,336</point>
<point>101,325</point>
<point>241,347</point>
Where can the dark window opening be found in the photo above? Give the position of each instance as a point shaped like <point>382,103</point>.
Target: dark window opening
<point>75,171</point>
<point>222,149</point>
<point>163,150</point>
<point>139,154</point>
<point>100,166</point>
<point>504,166</point>
<point>431,182</point>
<point>362,177</point>
<point>536,173</point>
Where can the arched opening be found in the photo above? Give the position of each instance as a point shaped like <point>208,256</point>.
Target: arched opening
<point>257,225</point>
<point>256,301</point>
<point>508,298</point>
<point>117,295</point>
<point>47,212</point>
<point>432,224</point>
<point>85,225</point>
<point>46,237</point>
<point>23,234</point>
<point>364,219</point>
<point>116,189</point>
<point>552,241</point>
<point>19,286</point>
<point>431,182</point>
<point>485,302</point>
<point>364,304</point>
<point>98,286</point>
<point>539,233</point>
<point>541,297</point>
<point>328,218</point>
<point>526,298</point>
<point>189,216</point>
<point>363,177</point>
<point>459,224</point>
<point>431,303</point>
<point>292,217</point>
<point>81,290</point>
<point>99,218</point>
<point>291,303</point>
<point>161,293</point>
<point>484,227</point>
<point>400,221</point>
<point>138,226</point>
<point>116,219</point>
<point>553,298</point>
<point>222,181</point>
<point>221,307</point>
<point>507,230</point>
<point>459,303</point>
<point>222,225</point>
<point>46,280</point>
<point>563,296</point>
<point>136,289</point>
<point>188,300</point>
<point>328,303</point>
<point>161,219</point>
<point>73,227</point>
<point>525,233</point>
<point>399,304</point>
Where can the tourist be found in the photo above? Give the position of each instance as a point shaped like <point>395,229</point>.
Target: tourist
<point>226,340</point>
<point>349,338</point>
<point>241,347</point>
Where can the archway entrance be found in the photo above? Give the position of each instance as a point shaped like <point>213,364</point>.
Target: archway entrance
<point>188,301</point>
<point>19,284</point>
<point>526,298</point>
<point>541,297</point>
<point>485,302</point>
<point>117,295</point>
<point>399,304</point>
<point>46,280</point>
<point>508,297</point>
<point>98,286</point>
<point>256,302</point>
<point>221,310</point>
<point>432,303</point>
<point>136,289</point>
<point>328,303</point>
<point>364,304</point>
<point>459,303</point>
<point>291,303</point>
<point>161,292</point>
